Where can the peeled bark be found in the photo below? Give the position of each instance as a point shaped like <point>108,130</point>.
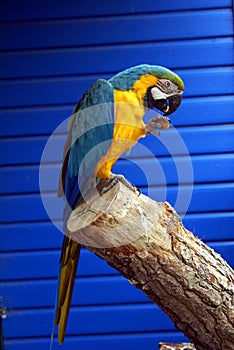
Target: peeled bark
<point>147,243</point>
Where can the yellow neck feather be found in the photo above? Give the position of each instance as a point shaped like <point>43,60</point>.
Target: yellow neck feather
<point>140,87</point>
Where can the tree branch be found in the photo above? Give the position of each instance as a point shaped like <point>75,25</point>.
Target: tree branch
<point>146,242</point>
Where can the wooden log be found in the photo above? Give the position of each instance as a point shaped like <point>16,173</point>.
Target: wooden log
<point>147,243</point>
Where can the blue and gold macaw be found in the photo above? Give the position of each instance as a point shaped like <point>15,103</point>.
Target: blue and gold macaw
<point>104,124</point>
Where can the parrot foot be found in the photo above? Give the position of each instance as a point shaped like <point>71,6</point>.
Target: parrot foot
<point>107,184</point>
<point>159,122</point>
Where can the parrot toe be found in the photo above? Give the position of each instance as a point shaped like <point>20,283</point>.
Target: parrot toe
<point>159,122</point>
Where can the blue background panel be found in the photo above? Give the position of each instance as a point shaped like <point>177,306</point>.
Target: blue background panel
<point>64,62</point>
<point>136,341</point>
<point>193,111</point>
<point>70,33</point>
<point>51,51</point>
<point>53,9</point>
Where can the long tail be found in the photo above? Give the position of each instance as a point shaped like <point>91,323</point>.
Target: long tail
<point>68,265</point>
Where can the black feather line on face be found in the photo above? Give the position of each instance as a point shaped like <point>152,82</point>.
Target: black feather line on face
<point>148,100</point>
<point>162,87</point>
<point>166,86</point>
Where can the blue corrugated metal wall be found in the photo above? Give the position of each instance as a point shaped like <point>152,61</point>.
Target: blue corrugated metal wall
<point>51,51</point>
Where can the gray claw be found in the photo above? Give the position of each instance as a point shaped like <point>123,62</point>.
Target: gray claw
<point>107,184</point>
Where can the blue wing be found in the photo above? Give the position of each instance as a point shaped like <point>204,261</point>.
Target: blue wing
<point>90,136</point>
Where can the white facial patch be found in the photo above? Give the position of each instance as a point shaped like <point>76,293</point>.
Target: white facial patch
<point>158,94</point>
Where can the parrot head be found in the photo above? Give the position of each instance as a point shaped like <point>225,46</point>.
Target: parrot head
<point>166,94</point>
<point>158,86</point>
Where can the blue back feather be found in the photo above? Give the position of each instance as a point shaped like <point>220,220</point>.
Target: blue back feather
<point>126,79</point>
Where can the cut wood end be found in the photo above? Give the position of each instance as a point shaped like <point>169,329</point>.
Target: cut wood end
<point>118,217</point>
<point>95,205</point>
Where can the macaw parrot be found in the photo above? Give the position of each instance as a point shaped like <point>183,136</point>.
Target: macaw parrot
<point>101,119</point>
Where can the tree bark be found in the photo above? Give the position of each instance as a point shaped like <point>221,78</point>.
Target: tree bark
<point>147,243</point>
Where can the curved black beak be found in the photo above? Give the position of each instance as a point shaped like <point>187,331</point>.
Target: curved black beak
<point>173,103</point>
<point>169,105</point>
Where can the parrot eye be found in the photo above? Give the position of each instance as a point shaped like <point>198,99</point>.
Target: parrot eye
<point>167,86</point>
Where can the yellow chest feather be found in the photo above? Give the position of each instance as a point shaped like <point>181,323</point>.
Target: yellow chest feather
<point>129,127</point>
